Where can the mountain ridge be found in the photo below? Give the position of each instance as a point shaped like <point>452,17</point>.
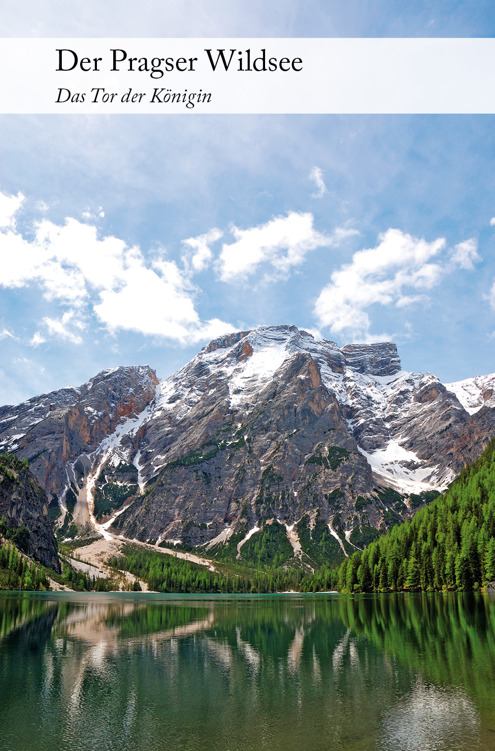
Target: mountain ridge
<point>262,426</point>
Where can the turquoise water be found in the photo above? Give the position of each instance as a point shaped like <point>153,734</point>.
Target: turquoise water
<point>158,672</point>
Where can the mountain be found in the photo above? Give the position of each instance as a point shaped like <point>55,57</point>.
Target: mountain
<point>265,435</point>
<point>61,434</point>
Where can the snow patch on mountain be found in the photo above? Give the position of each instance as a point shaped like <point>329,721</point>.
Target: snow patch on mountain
<point>255,373</point>
<point>400,467</point>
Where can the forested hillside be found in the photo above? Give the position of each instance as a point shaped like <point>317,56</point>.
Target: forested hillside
<point>449,544</point>
<point>165,573</point>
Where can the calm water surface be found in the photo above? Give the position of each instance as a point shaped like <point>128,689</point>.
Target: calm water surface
<point>154,672</point>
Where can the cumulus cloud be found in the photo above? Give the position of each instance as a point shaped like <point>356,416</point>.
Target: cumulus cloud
<point>75,267</point>
<point>316,175</point>
<point>399,271</point>
<point>492,221</point>
<point>155,303</point>
<point>283,242</point>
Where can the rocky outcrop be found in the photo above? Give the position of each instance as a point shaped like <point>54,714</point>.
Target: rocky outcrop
<point>23,504</point>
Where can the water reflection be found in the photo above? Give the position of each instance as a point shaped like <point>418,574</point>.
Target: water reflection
<point>150,672</point>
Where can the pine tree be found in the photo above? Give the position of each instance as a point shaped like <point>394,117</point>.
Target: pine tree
<point>392,573</point>
<point>383,580</point>
<point>342,577</point>
<point>352,567</point>
<point>364,575</point>
<point>450,568</point>
<point>413,574</point>
<point>463,573</point>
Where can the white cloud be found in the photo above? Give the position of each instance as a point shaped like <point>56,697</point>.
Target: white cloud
<point>398,271</point>
<point>61,327</point>
<point>148,302</point>
<point>6,334</point>
<point>37,339</point>
<point>75,267</point>
<point>24,262</point>
<point>406,300</point>
<point>77,247</point>
<point>9,205</point>
<point>198,252</point>
<point>492,221</point>
<point>65,260</point>
<point>155,304</point>
<point>282,242</point>
<point>316,175</point>
<point>465,254</point>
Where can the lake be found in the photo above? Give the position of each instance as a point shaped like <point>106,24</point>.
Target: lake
<point>319,672</point>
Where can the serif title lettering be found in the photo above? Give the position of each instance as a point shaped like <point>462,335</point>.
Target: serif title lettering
<point>220,59</point>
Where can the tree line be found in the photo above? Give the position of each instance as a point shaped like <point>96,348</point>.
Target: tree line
<point>448,545</point>
<point>165,573</point>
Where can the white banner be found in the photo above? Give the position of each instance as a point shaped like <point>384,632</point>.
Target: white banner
<point>246,76</point>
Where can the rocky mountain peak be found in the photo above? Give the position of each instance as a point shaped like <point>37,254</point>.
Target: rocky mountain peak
<point>137,374</point>
<point>228,340</point>
<point>378,359</point>
<point>381,359</point>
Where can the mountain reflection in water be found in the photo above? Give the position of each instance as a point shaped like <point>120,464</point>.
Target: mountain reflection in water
<point>150,672</point>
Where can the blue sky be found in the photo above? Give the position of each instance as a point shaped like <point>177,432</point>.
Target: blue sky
<point>129,240</point>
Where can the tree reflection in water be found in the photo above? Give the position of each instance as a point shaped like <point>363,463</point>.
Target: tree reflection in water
<point>310,672</point>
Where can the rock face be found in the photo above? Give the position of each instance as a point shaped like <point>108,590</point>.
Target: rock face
<point>58,432</point>
<point>261,426</point>
<point>373,359</point>
<point>23,503</point>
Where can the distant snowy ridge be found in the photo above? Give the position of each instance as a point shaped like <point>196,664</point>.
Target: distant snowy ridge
<point>474,393</point>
